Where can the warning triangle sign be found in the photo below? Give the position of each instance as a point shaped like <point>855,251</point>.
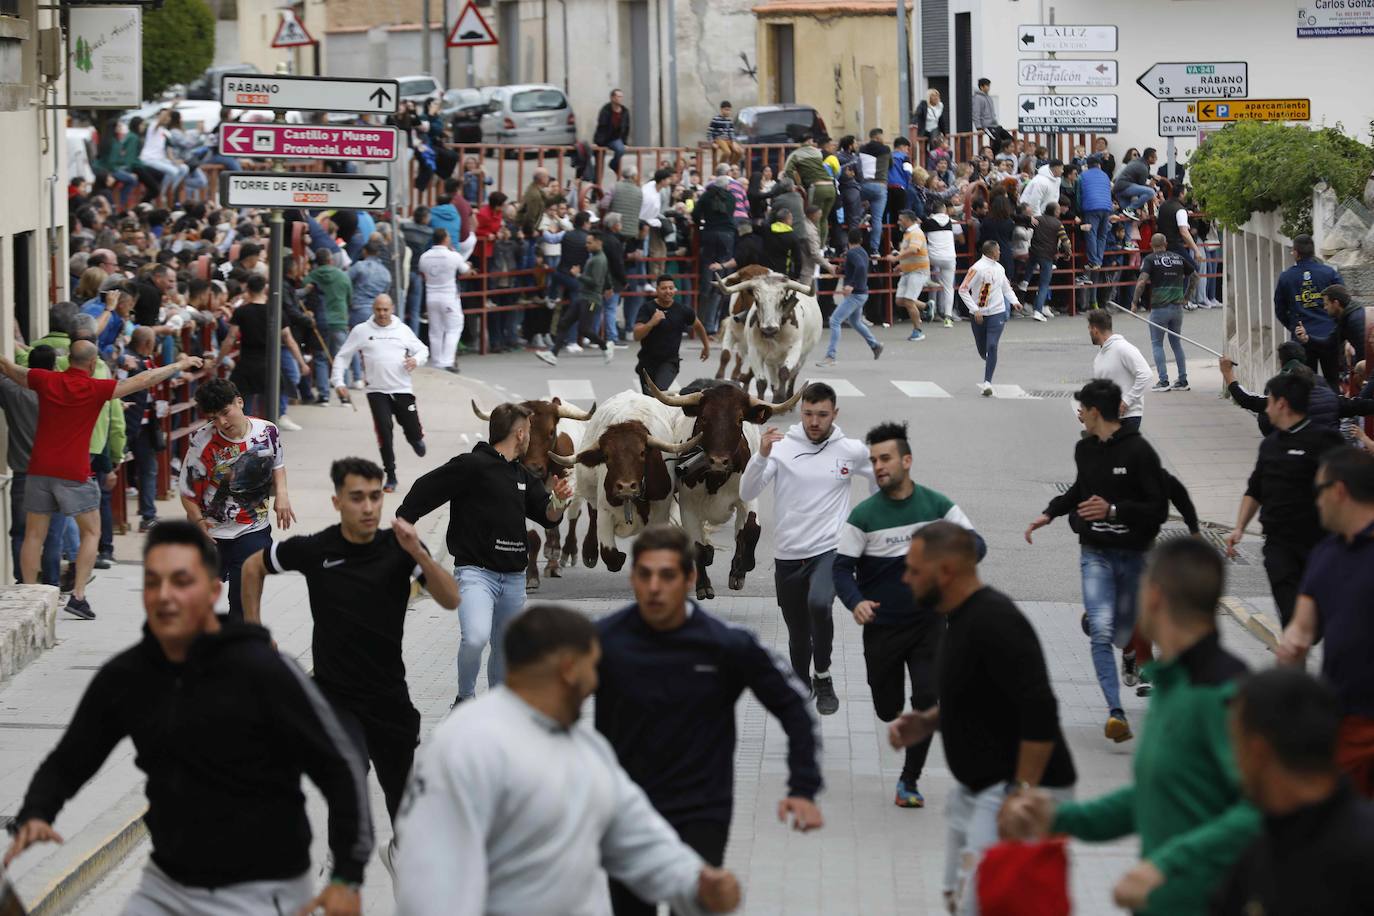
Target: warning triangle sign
<point>291,33</point>
<point>471,30</point>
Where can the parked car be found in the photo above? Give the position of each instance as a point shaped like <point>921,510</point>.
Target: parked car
<point>529,114</point>
<point>777,123</point>
<point>420,89</point>
<point>463,110</point>
<point>206,86</point>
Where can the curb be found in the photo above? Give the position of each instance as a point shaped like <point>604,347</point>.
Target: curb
<point>1258,626</point>
<point>86,872</point>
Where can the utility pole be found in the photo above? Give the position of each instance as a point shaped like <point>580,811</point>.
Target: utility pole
<point>426,64</point>
<point>903,71</point>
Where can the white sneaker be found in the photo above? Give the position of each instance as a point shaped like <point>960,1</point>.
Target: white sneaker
<point>572,348</point>
<point>546,356</point>
<point>826,363</point>
<point>359,384</point>
<point>1039,316</point>
<point>288,424</point>
<point>608,354</point>
<point>985,388</point>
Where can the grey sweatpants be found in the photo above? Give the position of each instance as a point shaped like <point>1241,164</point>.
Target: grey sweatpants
<point>159,895</point>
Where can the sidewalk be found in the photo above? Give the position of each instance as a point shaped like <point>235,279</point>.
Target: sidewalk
<point>37,704</point>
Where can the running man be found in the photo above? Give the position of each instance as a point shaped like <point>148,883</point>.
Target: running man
<point>659,329</point>
<point>987,293</point>
<point>391,352</point>
<point>913,263</point>
<point>490,493</point>
<point>440,266</point>
<point>358,576</point>
<point>223,726</point>
<point>900,635</point>
<point>593,289</point>
<point>811,469</point>
<point>854,293</point>
<point>234,464</point>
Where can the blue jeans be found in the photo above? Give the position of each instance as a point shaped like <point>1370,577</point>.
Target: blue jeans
<point>415,302</point>
<point>875,192</point>
<point>1170,317</point>
<point>849,309</point>
<point>127,182</point>
<point>1099,229</point>
<point>335,338</point>
<point>609,315</point>
<point>986,334</point>
<point>145,471</point>
<point>490,601</point>
<point>292,370</point>
<point>50,566</point>
<point>1042,292</point>
<point>1111,579</point>
<point>617,148</point>
<point>1134,196</point>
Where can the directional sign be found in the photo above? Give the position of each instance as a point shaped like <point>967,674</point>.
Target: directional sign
<point>1066,38</point>
<point>471,30</point>
<point>1067,113</point>
<point>1178,119</point>
<point>1197,81</point>
<point>1256,110</point>
<point>291,32</point>
<point>1068,74</point>
<point>311,191</point>
<point>309,141</point>
<point>309,93</point>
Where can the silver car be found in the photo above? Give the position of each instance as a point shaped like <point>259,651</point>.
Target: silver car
<point>531,114</point>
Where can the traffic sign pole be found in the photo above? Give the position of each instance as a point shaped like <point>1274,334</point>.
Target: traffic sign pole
<point>272,409</point>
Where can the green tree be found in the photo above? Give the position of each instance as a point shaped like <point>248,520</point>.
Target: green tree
<point>1258,167</point>
<point>178,44</point>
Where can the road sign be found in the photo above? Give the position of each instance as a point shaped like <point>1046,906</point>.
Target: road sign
<point>309,141</point>
<point>1178,119</point>
<point>1196,81</point>
<point>471,30</point>
<point>291,32</point>
<point>309,93</point>
<point>1067,113</point>
<point>1255,110</point>
<point>1066,38</point>
<point>312,191</point>
<point>1068,74</point>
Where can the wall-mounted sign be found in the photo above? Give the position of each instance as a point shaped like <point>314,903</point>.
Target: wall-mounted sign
<point>105,57</point>
<point>1087,112</point>
<point>1067,74</point>
<point>1335,18</point>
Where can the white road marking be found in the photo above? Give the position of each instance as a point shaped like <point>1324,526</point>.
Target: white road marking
<point>1012,391</point>
<point>843,387</point>
<point>574,389</point>
<point>921,389</point>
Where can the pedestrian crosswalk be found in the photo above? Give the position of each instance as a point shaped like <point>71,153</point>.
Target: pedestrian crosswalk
<point>918,389</point>
<point>843,387</point>
<point>583,390</point>
<point>571,389</point>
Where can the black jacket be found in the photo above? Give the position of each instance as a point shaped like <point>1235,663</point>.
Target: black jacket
<point>224,739</point>
<point>614,248</point>
<point>782,252</point>
<point>749,250</point>
<point>1282,481</point>
<point>1125,471</point>
<point>666,703</point>
<point>489,499</point>
<point>918,118</point>
<point>604,134</point>
<point>1314,860</point>
<point>1324,406</point>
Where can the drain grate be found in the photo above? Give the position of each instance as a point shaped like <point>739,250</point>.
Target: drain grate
<point>1211,534</point>
<point>1062,487</point>
<point>1051,392</point>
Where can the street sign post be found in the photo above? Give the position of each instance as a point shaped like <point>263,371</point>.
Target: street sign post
<point>471,30</point>
<point>1066,74</point>
<point>1197,81</point>
<point>310,93</point>
<point>1066,38</point>
<point>309,141</point>
<point>1178,119</point>
<point>291,32</point>
<point>317,191</point>
<point>1096,112</point>
<point>1255,110</point>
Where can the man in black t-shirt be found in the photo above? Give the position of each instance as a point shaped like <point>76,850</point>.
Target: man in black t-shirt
<point>659,330</point>
<point>358,576</point>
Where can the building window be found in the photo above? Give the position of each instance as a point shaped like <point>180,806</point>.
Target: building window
<point>9,7</point>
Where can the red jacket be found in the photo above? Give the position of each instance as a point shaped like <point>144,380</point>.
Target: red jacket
<point>488,223</point>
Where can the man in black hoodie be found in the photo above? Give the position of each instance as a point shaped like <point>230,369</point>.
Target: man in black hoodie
<point>223,726</point>
<point>1280,488</point>
<point>1117,504</point>
<point>490,494</point>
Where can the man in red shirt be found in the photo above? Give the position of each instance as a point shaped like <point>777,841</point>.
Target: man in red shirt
<point>60,478</point>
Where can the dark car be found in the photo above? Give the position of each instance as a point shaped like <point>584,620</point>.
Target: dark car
<point>759,126</point>
<point>206,86</point>
<point>463,109</point>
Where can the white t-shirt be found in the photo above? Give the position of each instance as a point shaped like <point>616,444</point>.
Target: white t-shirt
<point>154,144</point>
<point>440,266</point>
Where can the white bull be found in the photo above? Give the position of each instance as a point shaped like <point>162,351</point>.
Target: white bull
<point>783,328</point>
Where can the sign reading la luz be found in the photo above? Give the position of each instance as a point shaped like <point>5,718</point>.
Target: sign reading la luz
<point>312,191</point>
<point>1066,74</point>
<point>1067,113</point>
<point>1197,80</point>
<point>105,57</point>
<point>1255,110</point>
<point>310,93</point>
<point>1072,38</point>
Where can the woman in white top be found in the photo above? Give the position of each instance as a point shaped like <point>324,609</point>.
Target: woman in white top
<point>987,293</point>
<point>156,155</point>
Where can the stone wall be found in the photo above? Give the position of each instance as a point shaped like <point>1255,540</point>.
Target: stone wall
<point>28,625</point>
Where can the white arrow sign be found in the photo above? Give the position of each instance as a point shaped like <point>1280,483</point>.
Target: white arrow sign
<point>1197,81</point>
<point>309,93</point>
<point>1066,38</point>
<point>1068,74</point>
<point>319,191</point>
<point>1053,112</point>
<point>1178,119</point>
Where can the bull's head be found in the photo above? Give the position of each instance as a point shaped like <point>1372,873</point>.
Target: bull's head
<point>544,417</point>
<point>635,469</point>
<point>774,297</point>
<point>733,285</point>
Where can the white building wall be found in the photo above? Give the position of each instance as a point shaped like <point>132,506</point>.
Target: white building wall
<point>1260,32</point>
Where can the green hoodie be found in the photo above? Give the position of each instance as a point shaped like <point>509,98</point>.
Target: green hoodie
<point>1186,802</point>
<point>109,431</point>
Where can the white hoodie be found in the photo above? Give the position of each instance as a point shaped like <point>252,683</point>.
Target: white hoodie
<point>1119,360</point>
<point>384,351</point>
<point>811,496</point>
<point>1041,190</point>
<point>986,290</point>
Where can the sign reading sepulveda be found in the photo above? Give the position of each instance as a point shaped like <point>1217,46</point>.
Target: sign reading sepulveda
<point>1066,73</point>
<point>1197,81</point>
<point>1067,113</point>
<point>322,190</point>
<point>1071,38</point>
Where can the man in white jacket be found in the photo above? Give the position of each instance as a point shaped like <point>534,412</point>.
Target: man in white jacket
<point>811,468</point>
<point>1120,361</point>
<point>515,809</point>
<point>1044,187</point>
<point>440,266</point>
<point>987,292</point>
<point>390,352</point>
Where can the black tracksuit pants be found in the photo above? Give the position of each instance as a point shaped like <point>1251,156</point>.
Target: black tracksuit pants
<point>402,409</point>
<point>806,593</point>
<point>1284,562</point>
<point>707,838</point>
<point>892,652</point>
<point>387,735</point>
<point>587,315</point>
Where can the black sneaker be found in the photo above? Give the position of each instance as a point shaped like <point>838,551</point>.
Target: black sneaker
<point>147,524</point>
<point>1145,689</point>
<point>1161,385</point>
<point>390,485</point>
<point>827,704</point>
<point>1084,621</point>
<point>420,448</point>
<point>456,700</point>
<point>1181,385</point>
<point>104,560</point>
<point>1130,674</point>
<point>79,607</point>
<point>66,582</point>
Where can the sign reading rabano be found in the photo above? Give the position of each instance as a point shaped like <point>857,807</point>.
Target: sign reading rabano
<point>105,57</point>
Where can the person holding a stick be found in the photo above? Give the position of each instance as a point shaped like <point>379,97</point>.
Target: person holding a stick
<point>1167,274</point>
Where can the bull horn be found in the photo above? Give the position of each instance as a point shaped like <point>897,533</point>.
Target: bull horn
<point>568,412</point>
<point>784,407</point>
<point>484,417</point>
<point>674,448</point>
<point>565,461</point>
<point>672,400</point>
<point>799,287</point>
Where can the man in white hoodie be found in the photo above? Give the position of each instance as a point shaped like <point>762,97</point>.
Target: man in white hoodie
<point>987,292</point>
<point>812,467</point>
<point>1044,187</point>
<point>1118,360</point>
<point>390,352</point>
